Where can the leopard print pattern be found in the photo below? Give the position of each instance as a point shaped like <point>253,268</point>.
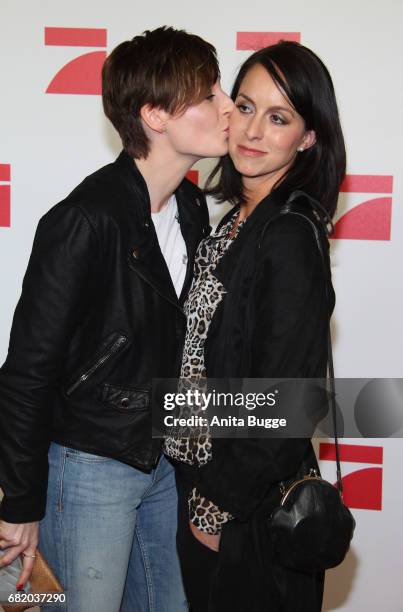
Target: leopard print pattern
<point>205,515</point>
<point>204,297</point>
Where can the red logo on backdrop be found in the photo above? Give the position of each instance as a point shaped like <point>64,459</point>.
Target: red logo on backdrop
<point>5,195</point>
<point>193,175</point>
<point>361,488</point>
<point>370,220</point>
<point>252,41</point>
<point>83,74</point>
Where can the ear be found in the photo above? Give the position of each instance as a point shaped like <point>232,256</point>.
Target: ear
<point>154,117</point>
<point>308,140</point>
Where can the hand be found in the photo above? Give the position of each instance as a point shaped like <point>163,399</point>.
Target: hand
<point>19,539</point>
<point>208,539</point>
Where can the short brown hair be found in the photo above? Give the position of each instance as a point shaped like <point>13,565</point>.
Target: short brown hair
<point>165,68</point>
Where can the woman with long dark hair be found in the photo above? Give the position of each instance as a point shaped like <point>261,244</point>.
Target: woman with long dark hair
<point>259,307</point>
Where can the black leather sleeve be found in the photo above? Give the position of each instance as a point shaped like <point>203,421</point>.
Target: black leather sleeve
<point>55,292</point>
<point>288,339</point>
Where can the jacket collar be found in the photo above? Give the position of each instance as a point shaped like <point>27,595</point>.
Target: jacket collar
<point>136,185</point>
<point>194,223</point>
<point>145,255</point>
<point>250,233</point>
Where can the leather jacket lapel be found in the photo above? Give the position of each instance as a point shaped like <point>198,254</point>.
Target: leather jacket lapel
<point>148,262</point>
<point>189,211</point>
<point>145,257</point>
<point>226,267</point>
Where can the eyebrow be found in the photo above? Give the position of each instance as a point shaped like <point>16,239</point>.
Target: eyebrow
<point>271,108</point>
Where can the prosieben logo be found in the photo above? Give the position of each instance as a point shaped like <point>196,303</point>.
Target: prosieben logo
<point>252,41</point>
<point>362,487</point>
<point>368,200</point>
<point>82,75</point>
<point>5,195</point>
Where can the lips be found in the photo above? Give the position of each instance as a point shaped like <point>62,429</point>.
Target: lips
<point>250,152</point>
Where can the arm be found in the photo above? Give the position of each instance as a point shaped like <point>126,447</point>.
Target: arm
<point>288,339</point>
<point>55,295</point>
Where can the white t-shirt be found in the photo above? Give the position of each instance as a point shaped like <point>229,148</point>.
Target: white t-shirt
<point>172,244</point>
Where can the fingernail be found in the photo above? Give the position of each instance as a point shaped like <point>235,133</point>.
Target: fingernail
<point>20,587</point>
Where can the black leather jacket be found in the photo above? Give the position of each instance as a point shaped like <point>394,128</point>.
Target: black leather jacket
<point>272,323</point>
<point>98,318</point>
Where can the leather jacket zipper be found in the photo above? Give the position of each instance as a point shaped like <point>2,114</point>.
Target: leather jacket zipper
<point>111,351</point>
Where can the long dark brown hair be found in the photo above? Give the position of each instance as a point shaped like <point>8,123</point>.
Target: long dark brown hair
<point>307,84</point>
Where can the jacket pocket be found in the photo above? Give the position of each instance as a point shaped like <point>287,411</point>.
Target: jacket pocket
<point>113,347</point>
<point>126,399</point>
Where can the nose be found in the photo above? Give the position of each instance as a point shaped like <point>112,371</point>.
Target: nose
<point>254,128</point>
<point>227,104</point>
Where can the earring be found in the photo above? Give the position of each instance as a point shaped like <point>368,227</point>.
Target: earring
<point>300,149</point>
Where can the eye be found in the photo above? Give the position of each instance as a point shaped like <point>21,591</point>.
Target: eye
<point>210,97</point>
<point>243,108</point>
<point>278,119</point>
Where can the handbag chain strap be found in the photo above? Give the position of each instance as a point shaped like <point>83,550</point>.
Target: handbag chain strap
<point>287,208</point>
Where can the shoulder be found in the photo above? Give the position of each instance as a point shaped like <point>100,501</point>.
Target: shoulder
<point>299,221</point>
<point>81,211</point>
<point>297,228</point>
<point>292,238</point>
<point>104,198</point>
<point>100,192</point>
<point>65,227</point>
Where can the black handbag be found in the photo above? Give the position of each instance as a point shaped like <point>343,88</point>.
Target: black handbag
<point>312,528</point>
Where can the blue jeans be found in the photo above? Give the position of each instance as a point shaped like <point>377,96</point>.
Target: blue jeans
<point>109,534</point>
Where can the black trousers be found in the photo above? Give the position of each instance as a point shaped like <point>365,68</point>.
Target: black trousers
<point>198,563</point>
<point>255,583</point>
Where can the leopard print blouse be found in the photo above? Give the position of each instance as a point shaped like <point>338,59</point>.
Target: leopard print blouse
<point>204,297</point>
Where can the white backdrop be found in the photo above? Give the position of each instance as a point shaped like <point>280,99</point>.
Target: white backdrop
<point>50,141</point>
